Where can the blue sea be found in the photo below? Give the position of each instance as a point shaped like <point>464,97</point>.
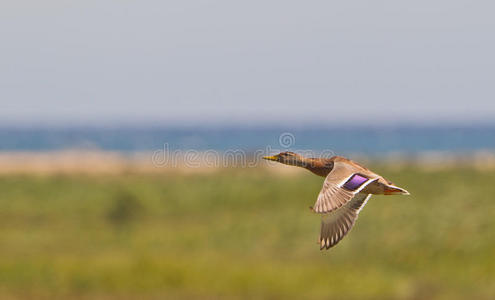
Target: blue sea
<point>341,140</point>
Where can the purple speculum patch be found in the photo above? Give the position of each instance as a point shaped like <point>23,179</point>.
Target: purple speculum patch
<point>355,182</point>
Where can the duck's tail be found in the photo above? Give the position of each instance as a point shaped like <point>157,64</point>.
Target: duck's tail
<point>394,190</point>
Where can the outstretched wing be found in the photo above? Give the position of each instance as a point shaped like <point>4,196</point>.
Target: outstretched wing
<point>335,225</point>
<point>340,186</point>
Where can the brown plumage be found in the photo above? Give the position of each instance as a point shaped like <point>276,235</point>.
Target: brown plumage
<point>346,189</point>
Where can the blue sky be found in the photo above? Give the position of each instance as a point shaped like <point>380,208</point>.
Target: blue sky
<point>196,62</point>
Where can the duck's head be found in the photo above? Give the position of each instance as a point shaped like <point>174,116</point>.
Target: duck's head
<point>287,158</point>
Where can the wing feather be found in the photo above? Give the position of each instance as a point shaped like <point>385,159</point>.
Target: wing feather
<point>335,225</point>
<point>333,193</point>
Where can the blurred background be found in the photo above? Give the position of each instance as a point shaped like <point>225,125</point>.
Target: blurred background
<point>130,137</point>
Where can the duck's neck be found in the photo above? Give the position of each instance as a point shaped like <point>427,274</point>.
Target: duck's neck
<point>319,166</point>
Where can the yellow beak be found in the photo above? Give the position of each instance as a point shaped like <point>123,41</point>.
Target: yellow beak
<point>274,158</point>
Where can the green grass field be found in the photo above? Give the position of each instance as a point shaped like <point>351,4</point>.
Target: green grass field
<point>243,233</point>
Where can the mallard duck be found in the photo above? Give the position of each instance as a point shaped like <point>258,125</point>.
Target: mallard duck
<point>346,189</point>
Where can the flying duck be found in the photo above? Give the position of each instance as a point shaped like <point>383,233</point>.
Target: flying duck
<point>346,189</point>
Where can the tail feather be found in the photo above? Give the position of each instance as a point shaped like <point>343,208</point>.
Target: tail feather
<point>394,190</point>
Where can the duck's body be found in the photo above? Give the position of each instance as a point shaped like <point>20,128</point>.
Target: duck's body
<point>323,166</point>
<point>346,189</point>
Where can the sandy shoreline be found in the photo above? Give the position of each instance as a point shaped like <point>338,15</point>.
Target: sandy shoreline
<point>105,162</point>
